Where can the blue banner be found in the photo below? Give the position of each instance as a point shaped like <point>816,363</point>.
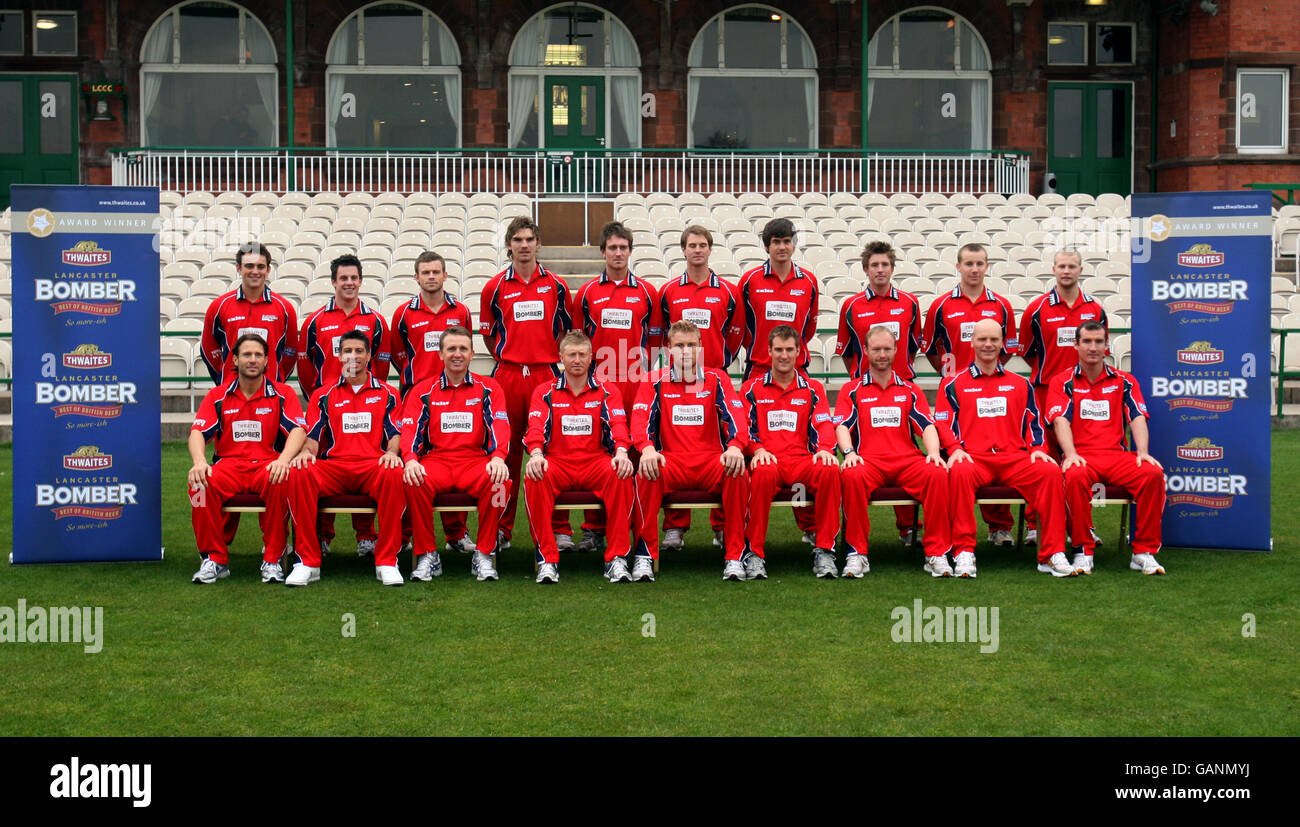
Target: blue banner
<point>1202,267</point>
<point>86,399</point>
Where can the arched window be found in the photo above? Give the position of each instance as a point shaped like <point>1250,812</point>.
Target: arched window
<point>208,78</point>
<point>928,83</point>
<point>588,68</point>
<point>393,80</point>
<point>752,83</point>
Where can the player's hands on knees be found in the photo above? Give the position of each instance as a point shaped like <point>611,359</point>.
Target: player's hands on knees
<point>1145,457</point>
<point>851,460</point>
<point>390,460</point>
<point>278,471</point>
<point>761,457</point>
<point>958,456</point>
<point>734,461</point>
<point>497,470</point>
<point>652,462</point>
<point>1072,460</point>
<point>622,465</point>
<point>536,468</point>
<point>414,472</point>
<point>825,458</point>
<point>935,459</point>
<point>1041,456</point>
<point>199,473</point>
<point>303,459</point>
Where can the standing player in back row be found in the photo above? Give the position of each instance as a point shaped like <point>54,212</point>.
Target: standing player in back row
<point>250,308</point>
<point>946,339</point>
<point>779,292</point>
<point>524,312</point>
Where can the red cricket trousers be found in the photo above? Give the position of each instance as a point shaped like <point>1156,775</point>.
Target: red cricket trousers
<point>689,472</point>
<point>1145,482</point>
<point>328,477</point>
<point>239,476</point>
<point>518,383</point>
<point>822,481</point>
<point>1040,483</point>
<point>920,479</point>
<point>580,473</point>
<point>455,471</point>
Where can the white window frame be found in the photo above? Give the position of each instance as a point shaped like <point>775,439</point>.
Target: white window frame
<point>239,67</point>
<point>1274,149</point>
<point>446,70</point>
<point>1076,24</point>
<point>1096,35</point>
<point>36,15</point>
<point>892,72</point>
<point>22,31</point>
<point>606,72</point>
<point>721,71</point>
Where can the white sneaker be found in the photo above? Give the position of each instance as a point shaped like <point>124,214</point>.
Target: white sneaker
<point>1146,563</point>
<point>733,570</point>
<point>480,565</point>
<point>503,542</point>
<point>272,573</point>
<point>210,572</point>
<point>643,570</point>
<point>855,566</point>
<point>564,542</point>
<point>324,549</point>
<point>1031,537</point>
<point>548,573</point>
<point>718,539</point>
<point>427,567</point>
<point>592,542</point>
<point>824,564</point>
<point>389,575</point>
<point>1082,563</point>
<point>1002,537</point>
<point>1058,565</point>
<point>755,566</point>
<point>365,548</point>
<point>616,571</point>
<point>810,538</point>
<point>302,574</point>
<point>464,545</point>
<point>938,566</point>
<point>674,539</point>
<point>965,564</point>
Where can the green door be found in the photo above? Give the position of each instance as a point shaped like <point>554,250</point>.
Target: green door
<point>38,143</point>
<point>575,131</point>
<point>1089,143</point>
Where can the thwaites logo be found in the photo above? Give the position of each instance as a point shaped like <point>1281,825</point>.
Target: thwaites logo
<point>87,357</point>
<point>87,254</point>
<point>1199,449</point>
<point>1200,353</point>
<point>87,458</point>
<point>1201,255</point>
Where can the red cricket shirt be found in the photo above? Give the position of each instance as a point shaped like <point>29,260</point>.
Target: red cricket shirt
<point>469,417</point>
<point>714,308</point>
<point>573,426</point>
<point>318,356</point>
<point>788,421</point>
<point>899,311</point>
<point>353,423</point>
<point>987,413</point>
<point>1097,413</point>
<point>701,416</point>
<point>950,325</point>
<point>231,315</point>
<point>883,420</point>
<point>417,337</point>
<point>523,322</point>
<point>769,302</point>
<point>1047,333</point>
<point>242,428</point>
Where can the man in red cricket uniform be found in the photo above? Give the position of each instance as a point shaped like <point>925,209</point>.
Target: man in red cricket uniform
<point>524,310</point>
<point>417,329</point>
<point>791,443</point>
<point>1047,334</point>
<point>319,365</point>
<point>879,416</point>
<point>777,293</point>
<point>687,423</point>
<point>245,418</point>
<point>454,437</point>
<point>250,308</point>
<point>1089,406</point>
<point>990,427</point>
<point>882,304</point>
<point>353,447</point>
<point>577,440</point>
<point>712,304</point>
<point>946,341</point>
<point>621,315</point>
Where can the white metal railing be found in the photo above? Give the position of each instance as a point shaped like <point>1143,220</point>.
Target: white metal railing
<point>584,173</point>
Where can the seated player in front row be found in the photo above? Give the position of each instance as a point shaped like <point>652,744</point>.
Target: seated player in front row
<point>353,447</point>
<point>244,417</point>
<point>576,441</point>
<point>688,425</point>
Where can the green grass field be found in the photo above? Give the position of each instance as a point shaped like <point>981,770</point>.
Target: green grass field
<point>1115,654</point>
